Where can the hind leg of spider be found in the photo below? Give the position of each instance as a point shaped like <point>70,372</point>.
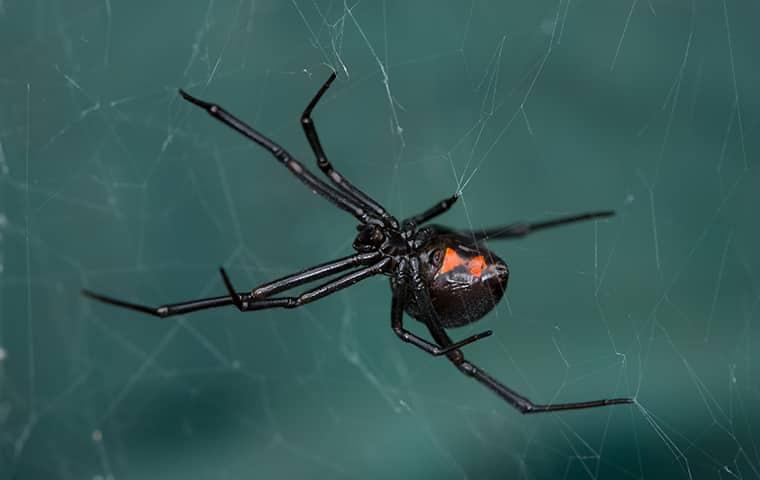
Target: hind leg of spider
<point>520,402</point>
<point>325,165</point>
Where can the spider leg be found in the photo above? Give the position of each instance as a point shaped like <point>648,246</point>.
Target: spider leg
<point>246,302</point>
<point>455,356</point>
<point>432,212</point>
<point>167,310</point>
<point>338,198</point>
<point>237,299</point>
<point>397,322</point>
<point>313,273</point>
<point>324,164</point>
<point>258,293</point>
<point>522,229</point>
<point>520,402</point>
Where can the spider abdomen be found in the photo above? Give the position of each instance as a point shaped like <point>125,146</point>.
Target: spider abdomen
<point>463,282</point>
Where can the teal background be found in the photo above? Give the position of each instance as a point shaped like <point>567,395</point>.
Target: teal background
<point>532,109</point>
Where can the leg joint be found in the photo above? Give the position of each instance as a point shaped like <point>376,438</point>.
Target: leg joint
<point>401,333</point>
<point>294,302</point>
<point>465,367</point>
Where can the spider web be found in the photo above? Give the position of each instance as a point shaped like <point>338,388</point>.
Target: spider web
<point>530,111</point>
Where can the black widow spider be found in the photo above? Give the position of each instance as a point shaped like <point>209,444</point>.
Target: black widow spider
<point>441,277</point>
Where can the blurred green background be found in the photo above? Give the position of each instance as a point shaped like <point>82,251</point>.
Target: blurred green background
<point>532,109</point>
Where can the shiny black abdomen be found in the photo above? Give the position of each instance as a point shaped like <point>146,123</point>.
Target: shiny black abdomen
<point>458,296</point>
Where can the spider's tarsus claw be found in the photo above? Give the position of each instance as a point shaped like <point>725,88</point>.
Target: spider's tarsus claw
<point>485,334</point>
<point>185,95</point>
<point>194,100</point>
<point>100,298</point>
<point>475,338</point>
<point>121,303</point>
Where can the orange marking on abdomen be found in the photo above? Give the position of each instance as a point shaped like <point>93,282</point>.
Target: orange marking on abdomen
<point>451,260</point>
<point>477,265</point>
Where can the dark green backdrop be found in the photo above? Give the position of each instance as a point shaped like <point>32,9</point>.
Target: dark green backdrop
<point>532,109</point>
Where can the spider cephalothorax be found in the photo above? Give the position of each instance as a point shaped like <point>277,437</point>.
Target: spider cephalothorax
<point>373,238</point>
<point>444,278</point>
